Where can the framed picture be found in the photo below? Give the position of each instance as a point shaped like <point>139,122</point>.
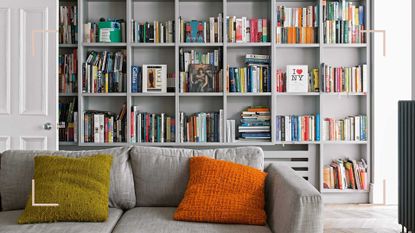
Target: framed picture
<point>202,78</point>
<point>297,78</point>
<point>155,78</point>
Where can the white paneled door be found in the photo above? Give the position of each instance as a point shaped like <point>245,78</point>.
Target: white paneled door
<point>28,71</point>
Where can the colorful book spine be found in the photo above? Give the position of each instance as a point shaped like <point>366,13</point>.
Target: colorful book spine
<point>201,127</point>
<point>344,22</point>
<point>68,121</point>
<point>346,174</point>
<point>297,25</point>
<point>206,31</point>
<point>344,79</point>
<point>68,72</point>
<point>244,30</point>
<point>155,32</point>
<point>68,24</point>
<point>353,128</point>
<point>298,128</point>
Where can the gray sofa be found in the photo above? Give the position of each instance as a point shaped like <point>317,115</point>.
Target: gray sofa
<point>148,183</point>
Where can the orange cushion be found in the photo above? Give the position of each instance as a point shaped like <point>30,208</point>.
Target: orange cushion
<point>223,192</point>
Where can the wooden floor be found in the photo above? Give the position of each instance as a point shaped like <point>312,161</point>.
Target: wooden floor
<point>361,219</point>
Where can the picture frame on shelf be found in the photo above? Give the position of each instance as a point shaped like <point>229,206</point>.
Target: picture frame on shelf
<point>297,78</point>
<point>155,78</point>
<point>202,77</point>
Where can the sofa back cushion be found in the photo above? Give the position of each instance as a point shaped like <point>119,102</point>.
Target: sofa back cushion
<point>17,169</point>
<point>161,174</point>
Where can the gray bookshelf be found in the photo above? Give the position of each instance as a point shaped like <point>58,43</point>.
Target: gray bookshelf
<point>316,154</point>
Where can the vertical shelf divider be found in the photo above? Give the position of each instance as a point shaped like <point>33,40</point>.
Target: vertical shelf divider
<point>320,54</point>
<point>224,65</point>
<point>177,71</point>
<point>129,17</point>
<point>273,72</point>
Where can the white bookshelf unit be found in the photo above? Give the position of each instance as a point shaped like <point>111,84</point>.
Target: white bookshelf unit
<point>337,105</point>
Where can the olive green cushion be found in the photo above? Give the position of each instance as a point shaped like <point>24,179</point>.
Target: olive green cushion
<point>79,185</point>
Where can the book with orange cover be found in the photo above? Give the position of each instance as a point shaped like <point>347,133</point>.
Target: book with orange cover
<point>326,178</point>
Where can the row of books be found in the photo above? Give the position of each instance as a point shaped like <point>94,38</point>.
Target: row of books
<point>297,25</point>
<point>152,127</point>
<point>344,79</point>
<point>68,24</point>
<point>68,121</point>
<point>284,85</point>
<point>104,72</point>
<point>352,128</point>
<point>247,30</point>
<point>68,71</point>
<point>195,31</point>
<point>344,22</point>
<point>255,124</point>
<point>105,31</point>
<point>156,32</point>
<point>201,127</point>
<point>346,174</point>
<point>200,71</point>
<point>255,77</point>
<point>105,127</point>
<point>298,128</point>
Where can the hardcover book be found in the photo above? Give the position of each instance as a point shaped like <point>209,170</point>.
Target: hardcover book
<point>202,78</point>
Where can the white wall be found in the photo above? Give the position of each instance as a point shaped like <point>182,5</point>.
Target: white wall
<point>392,82</point>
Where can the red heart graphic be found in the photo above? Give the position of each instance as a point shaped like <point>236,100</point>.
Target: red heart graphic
<point>299,71</point>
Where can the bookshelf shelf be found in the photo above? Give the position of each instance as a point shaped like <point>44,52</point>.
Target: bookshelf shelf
<point>194,45</point>
<point>336,105</point>
<point>105,45</point>
<point>344,45</point>
<point>233,45</point>
<point>103,94</point>
<point>248,94</point>
<point>297,94</point>
<point>152,94</point>
<point>344,191</point>
<point>68,45</point>
<point>297,45</point>
<point>150,45</point>
<point>68,94</point>
<point>201,94</point>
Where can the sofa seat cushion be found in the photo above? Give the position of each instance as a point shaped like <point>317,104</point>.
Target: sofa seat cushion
<point>8,224</point>
<point>160,220</point>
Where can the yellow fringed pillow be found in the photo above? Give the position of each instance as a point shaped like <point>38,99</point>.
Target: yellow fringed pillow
<point>223,192</point>
<point>79,185</point>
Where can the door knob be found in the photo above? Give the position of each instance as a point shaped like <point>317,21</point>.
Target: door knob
<point>47,126</point>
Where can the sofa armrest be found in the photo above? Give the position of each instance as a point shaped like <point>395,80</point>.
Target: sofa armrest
<point>292,204</point>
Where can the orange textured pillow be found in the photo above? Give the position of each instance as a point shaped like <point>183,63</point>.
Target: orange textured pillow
<point>223,192</point>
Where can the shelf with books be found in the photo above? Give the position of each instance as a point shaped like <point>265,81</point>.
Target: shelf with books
<point>312,45</point>
<point>340,94</point>
<point>344,142</point>
<point>297,93</point>
<point>103,94</point>
<point>234,94</point>
<point>297,22</point>
<point>344,46</point>
<point>191,94</point>
<point>102,44</point>
<point>95,144</point>
<point>152,22</point>
<point>63,143</point>
<point>193,45</point>
<point>343,191</point>
<point>68,119</point>
<point>249,44</point>
<point>153,94</point>
<point>150,45</point>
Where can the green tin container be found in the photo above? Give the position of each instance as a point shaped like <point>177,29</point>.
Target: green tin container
<point>109,32</point>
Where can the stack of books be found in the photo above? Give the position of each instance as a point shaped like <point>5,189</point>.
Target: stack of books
<point>68,25</point>
<point>68,121</point>
<point>105,127</point>
<point>313,80</point>
<point>343,22</point>
<point>298,128</point>
<point>247,30</point>
<point>200,71</point>
<point>156,32</point>
<point>201,127</point>
<point>255,124</point>
<point>152,127</point>
<point>68,72</point>
<point>195,31</point>
<point>297,25</point>
<point>254,78</point>
<point>104,72</point>
<point>352,128</point>
<point>346,174</point>
<point>345,79</point>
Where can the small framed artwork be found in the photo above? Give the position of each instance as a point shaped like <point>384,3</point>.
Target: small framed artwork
<point>297,78</point>
<point>155,78</point>
<point>202,78</point>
